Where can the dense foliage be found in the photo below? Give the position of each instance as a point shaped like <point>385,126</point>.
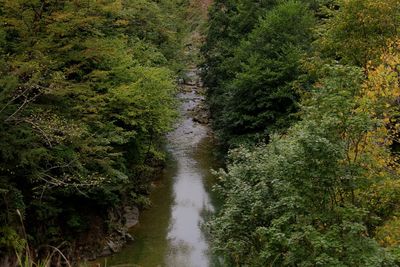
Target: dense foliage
<point>253,55</point>
<point>317,82</point>
<point>86,95</point>
<point>259,98</point>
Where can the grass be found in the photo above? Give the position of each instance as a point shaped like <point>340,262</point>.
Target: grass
<point>26,259</point>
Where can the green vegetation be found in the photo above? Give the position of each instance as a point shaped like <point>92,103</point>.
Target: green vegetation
<point>304,96</point>
<point>86,95</point>
<point>260,98</point>
<point>253,56</point>
<point>307,102</point>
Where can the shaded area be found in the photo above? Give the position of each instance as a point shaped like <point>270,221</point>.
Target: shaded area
<point>170,233</point>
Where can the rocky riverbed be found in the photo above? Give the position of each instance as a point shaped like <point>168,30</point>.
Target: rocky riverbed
<point>170,233</point>
<point>193,86</point>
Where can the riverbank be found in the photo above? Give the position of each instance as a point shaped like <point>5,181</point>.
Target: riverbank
<point>186,146</point>
<point>170,232</point>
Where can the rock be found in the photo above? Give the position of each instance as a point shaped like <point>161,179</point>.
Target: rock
<point>131,216</point>
<point>191,83</point>
<point>120,232</point>
<point>105,243</point>
<point>201,119</point>
<point>114,245</point>
<point>188,88</point>
<point>128,237</point>
<point>105,252</point>
<point>200,113</point>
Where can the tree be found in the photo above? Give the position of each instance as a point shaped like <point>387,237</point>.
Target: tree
<point>260,98</point>
<point>358,30</point>
<point>86,95</point>
<point>230,21</point>
<point>296,200</point>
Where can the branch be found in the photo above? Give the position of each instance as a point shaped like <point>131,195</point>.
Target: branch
<point>35,126</point>
<point>12,100</point>
<point>19,109</point>
<point>26,101</point>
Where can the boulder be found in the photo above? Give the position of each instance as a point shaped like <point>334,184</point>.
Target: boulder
<point>131,216</point>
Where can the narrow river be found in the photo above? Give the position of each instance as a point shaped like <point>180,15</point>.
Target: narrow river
<point>171,232</point>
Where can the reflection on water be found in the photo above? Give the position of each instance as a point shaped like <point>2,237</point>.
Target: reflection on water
<point>187,245</point>
<point>170,233</point>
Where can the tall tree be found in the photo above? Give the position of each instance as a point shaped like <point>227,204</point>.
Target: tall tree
<point>260,98</point>
<point>86,95</point>
<point>358,30</point>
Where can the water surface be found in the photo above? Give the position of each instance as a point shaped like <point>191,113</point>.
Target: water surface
<point>171,233</point>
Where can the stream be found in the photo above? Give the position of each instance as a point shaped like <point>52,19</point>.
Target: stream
<point>171,233</point>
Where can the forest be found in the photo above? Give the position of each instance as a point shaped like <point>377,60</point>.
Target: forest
<point>86,95</point>
<point>304,104</point>
<point>304,97</point>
